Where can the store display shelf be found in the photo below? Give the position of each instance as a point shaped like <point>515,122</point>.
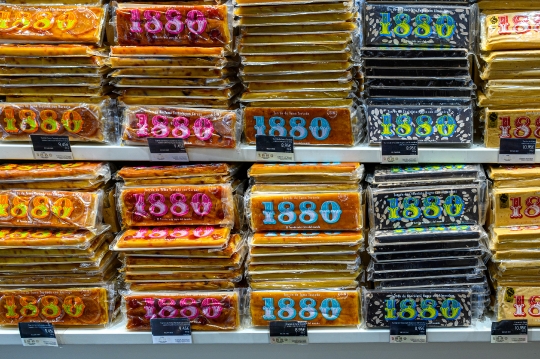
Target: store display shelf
<point>362,153</point>
<point>117,335</point>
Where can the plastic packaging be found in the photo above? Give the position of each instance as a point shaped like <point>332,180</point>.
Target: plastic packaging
<point>167,52</point>
<point>63,307</point>
<point>181,286</point>
<point>307,125</point>
<point>348,259</point>
<point>197,127</point>
<point>53,24</point>
<point>276,240</point>
<point>517,303</point>
<point>188,275</point>
<point>421,266</point>
<point>510,123</point>
<point>426,235</point>
<point>429,123</point>
<point>396,208</point>
<point>338,284</point>
<point>293,9</point>
<point>317,307</point>
<point>40,208</point>
<point>425,274</point>
<point>452,308</point>
<point>81,122</point>
<point>327,172</point>
<point>419,25</point>
<point>514,206</point>
<point>509,30</point>
<point>313,207</point>
<point>173,25</point>
<point>194,62</point>
<point>305,276</point>
<point>173,205</point>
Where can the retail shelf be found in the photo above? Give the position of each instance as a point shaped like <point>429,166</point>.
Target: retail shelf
<point>365,154</point>
<point>117,335</point>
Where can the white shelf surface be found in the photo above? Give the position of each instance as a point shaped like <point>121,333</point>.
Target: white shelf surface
<point>244,153</point>
<point>117,335</point>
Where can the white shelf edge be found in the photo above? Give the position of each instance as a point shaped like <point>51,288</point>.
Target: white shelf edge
<point>117,335</point>
<point>244,153</point>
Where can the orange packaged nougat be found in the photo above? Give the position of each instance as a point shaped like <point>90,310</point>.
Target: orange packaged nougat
<point>174,205</point>
<point>205,310</point>
<point>328,172</point>
<point>305,207</point>
<point>65,307</point>
<point>79,121</point>
<point>171,51</point>
<point>41,208</point>
<point>52,24</point>
<point>173,237</point>
<point>54,238</point>
<point>41,50</point>
<point>317,307</point>
<point>197,127</point>
<point>182,286</point>
<point>173,25</point>
<point>293,239</point>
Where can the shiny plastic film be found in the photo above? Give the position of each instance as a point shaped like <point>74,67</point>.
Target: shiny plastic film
<point>514,206</point>
<point>510,123</point>
<point>518,303</point>
<point>509,30</point>
<point>327,172</point>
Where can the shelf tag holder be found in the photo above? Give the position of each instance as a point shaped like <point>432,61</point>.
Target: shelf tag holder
<point>37,334</point>
<point>410,331</point>
<point>509,331</point>
<point>275,148</point>
<point>167,150</point>
<point>399,151</point>
<point>51,148</point>
<point>289,332</point>
<point>171,331</point>
<point>517,150</point>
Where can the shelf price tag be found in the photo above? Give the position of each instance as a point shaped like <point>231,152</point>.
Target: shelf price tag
<point>517,150</point>
<point>37,334</point>
<point>275,148</point>
<point>399,151</point>
<point>288,332</point>
<point>167,150</point>
<point>51,148</point>
<point>410,331</point>
<point>171,331</point>
<point>509,331</point>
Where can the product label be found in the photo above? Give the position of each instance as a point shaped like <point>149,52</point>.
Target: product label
<point>399,151</point>
<point>509,331</point>
<point>517,150</point>
<point>519,124</point>
<point>408,331</point>
<point>290,332</point>
<point>171,331</point>
<point>167,149</point>
<point>275,148</point>
<point>37,334</point>
<point>55,148</point>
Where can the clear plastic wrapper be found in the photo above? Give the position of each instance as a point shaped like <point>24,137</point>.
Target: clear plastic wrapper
<point>340,27</point>
<point>307,125</point>
<point>452,308</point>
<point>186,83</point>
<point>411,255</point>
<point>479,280</point>
<point>294,59</point>
<point>53,24</point>
<point>288,251</point>
<point>40,208</point>
<point>12,83</point>
<point>338,284</point>
<point>419,175</point>
<point>509,266</point>
<point>344,77</point>
<point>425,274</point>
<point>419,25</point>
<point>59,62</point>
<point>517,253</point>
<point>515,206</point>
<point>512,173</point>
<point>189,174</point>
<point>301,86</point>
<point>167,238</point>
<point>437,244</point>
<point>293,9</point>
<point>214,311</point>
<point>81,91</point>
<point>396,208</point>
<point>167,51</point>
<point>181,286</point>
<point>197,127</point>
<point>293,49</point>
<point>348,259</point>
<point>173,205</point>
<point>426,235</point>
<point>509,30</point>
<point>419,91</point>
<point>510,123</point>
<point>295,68</point>
<point>63,307</point>
<point>427,123</point>
<point>276,240</point>
<point>172,72</point>
<point>194,62</point>
<point>335,308</point>
<point>421,266</point>
<point>192,93</point>
<point>297,19</point>
<point>305,276</point>
<point>184,276</point>
<point>54,72</point>
<point>518,303</point>
<point>53,175</point>
<point>515,237</point>
<point>173,25</point>
<point>285,269</point>
<point>81,122</point>
<point>171,101</point>
<point>326,172</point>
<point>309,207</point>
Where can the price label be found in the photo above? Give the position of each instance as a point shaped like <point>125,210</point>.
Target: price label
<point>517,150</point>
<point>275,148</point>
<point>288,332</point>
<point>413,331</point>
<point>167,150</point>
<point>509,331</point>
<point>399,151</point>
<point>51,148</point>
<point>171,331</point>
<point>37,334</point>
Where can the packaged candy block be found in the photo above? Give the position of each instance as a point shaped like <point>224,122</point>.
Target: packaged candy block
<point>63,307</point>
<point>419,25</point>
<point>512,176</point>
<point>197,127</point>
<point>326,172</point>
<point>517,303</point>
<point>277,240</point>
<point>515,206</point>
<point>307,125</point>
<point>53,24</point>
<point>510,123</point>
<point>317,307</point>
<point>316,207</point>
<point>81,122</point>
<point>173,25</point>
<point>29,238</point>
<point>443,308</point>
<point>509,30</point>
<point>205,310</point>
<point>174,205</point>
<point>181,286</point>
